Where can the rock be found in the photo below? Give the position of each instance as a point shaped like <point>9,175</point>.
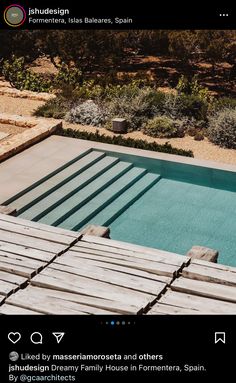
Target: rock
<point>203,253</point>
<point>98,231</point>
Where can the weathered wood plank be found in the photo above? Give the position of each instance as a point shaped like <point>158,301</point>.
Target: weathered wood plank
<point>86,286</point>
<point>112,277</point>
<point>205,289</point>
<point>34,243</point>
<point>7,309</point>
<point>102,250</point>
<point>20,260</point>
<point>140,264</point>
<point>213,266</point>
<point>7,287</point>
<point>204,273</point>
<point>71,260</point>
<point>26,252</point>
<point>40,226</point>
<point>17,268</point>
<point>47,304</point>
<point>35,233</point>
<point>96,302</point>
<point>130,246</point>
<point>164,309</point>
<point>117,246</point>
<point>199,303</point>
<point>8,277</point>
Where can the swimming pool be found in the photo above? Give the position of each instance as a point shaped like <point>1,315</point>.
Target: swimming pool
<point>147,201</point>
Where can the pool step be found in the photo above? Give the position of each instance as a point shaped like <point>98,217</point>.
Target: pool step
<point>106,216</point>
<point>103,199</point>
<point>65,191</point>
<point>93,188</point>
<point>45,178</point>
<point>54,182</point>
<point>78,199</point>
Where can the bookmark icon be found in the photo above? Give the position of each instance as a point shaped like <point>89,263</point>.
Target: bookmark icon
<point>220,337</point>
<point>58,336</point>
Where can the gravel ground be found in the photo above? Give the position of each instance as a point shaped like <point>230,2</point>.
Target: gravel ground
<point>202,149</point>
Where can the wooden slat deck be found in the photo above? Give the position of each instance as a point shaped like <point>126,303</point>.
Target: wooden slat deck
<point>48,270</point>
<point>15,310</point>
<point>202,288</point>
<point>25,249</point>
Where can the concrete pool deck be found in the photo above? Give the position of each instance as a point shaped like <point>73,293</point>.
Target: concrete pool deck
<point>34,163</point>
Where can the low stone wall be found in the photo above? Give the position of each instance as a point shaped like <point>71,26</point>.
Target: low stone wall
<point>7,90</point>
<point>36,130</point>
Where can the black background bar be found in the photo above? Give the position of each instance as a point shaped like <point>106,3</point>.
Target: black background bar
<point>157,18</point>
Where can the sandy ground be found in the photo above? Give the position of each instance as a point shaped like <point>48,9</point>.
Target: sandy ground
<point>20,106</point>
<point>11,130</point>
<point>201,149</point>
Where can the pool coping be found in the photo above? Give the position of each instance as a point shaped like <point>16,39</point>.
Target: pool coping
<point>36,130</point>
<point>155,155</point>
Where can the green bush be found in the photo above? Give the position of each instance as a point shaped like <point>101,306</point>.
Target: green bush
<point>224,102</point>
<point>55,108</point>
<point>135,110</point>
<point>21,78</point>
<point>119,140</point>
<point>193,106</point>
<point>222,128</point>
<point>171,106</point>
<point>126,91</point>
<point>155,100</point>
<point>69,76</point>
<point>134,104</point>
<point>89,90</point>
<point>184,105</point>
<point>193,87</point>
<point>131,103</point>
<point>163,127</point>
<point>193,100</point>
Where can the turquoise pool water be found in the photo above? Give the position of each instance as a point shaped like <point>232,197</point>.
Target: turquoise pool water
<point>157,203</point>
<point>174,216</point>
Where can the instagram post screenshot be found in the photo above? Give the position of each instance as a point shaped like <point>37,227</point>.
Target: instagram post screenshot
<point>117,193</point>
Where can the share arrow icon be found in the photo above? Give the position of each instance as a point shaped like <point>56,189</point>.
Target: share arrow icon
<point>58,336</point>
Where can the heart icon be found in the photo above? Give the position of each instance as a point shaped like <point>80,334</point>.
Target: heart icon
<point>14,337</point>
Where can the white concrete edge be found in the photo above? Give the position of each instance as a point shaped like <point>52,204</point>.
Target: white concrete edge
<point>155,155</point>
